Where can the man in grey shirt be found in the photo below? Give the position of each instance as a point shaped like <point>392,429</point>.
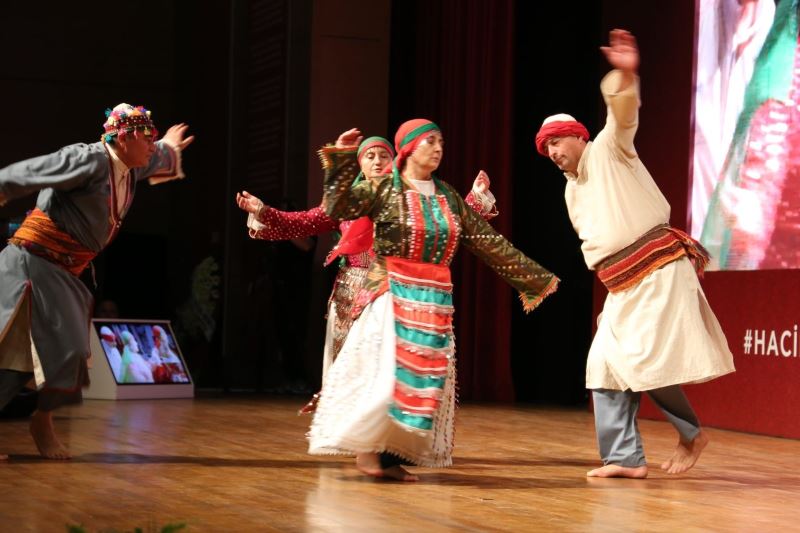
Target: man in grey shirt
<point>84,193</point>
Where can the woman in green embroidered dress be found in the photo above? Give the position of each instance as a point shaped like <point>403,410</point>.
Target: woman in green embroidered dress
<point>390,395</point>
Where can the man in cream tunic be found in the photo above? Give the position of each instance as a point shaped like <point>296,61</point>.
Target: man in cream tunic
<point>660,332</point>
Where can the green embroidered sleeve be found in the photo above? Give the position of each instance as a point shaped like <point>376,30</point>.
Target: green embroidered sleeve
<point>533,281</point>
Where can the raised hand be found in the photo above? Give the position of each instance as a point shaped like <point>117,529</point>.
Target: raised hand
<point>481,183</point>
<point>174,136</point>
<point>248,202</point>
<point>622,52</point>
<point>349,139</point>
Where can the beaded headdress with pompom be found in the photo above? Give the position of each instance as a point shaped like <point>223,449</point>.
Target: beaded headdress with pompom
<point>125,119</point>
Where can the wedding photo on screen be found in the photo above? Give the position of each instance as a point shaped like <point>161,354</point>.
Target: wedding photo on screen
<point>141,352</point>
<point>745,197</point>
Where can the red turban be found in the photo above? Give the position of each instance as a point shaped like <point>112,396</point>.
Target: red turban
<point>559,128</point>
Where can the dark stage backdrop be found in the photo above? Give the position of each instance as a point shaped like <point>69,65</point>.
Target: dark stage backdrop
<point>63,65</point>
<point>473,66</point>
<point>556,67</point>
<point>487,71</point>
<point>453,63</point>
<point>557,71</point>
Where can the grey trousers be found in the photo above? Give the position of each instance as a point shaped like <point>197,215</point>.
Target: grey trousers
<point>618,431</point>
<point>12,382</point>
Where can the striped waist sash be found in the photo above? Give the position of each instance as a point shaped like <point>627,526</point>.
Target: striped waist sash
<point>659,246</point>
<point>40,236</point>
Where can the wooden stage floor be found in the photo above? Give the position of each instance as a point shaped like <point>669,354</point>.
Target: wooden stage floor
<point>239,464</point>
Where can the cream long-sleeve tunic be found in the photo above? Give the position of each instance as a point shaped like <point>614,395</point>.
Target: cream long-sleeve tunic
<point>661,332</point>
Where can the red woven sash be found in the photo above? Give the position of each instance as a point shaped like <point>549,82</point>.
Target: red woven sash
<point>41,237</point>
<point>656,248</point>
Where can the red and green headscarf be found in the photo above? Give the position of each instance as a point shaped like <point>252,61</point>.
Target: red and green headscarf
<point>408,136</point>
<point>371,142</point>
<point>358,236</point>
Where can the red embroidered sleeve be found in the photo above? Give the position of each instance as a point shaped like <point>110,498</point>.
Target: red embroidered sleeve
<point>471,200</point>
<point>284,225</point>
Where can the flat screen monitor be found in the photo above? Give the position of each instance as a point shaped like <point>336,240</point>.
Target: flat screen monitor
<point>141,352</point>
<point>136,360</point>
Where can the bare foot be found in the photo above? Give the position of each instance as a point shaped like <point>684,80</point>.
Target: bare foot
<point>3,457</point>
<point>44,436</point>
<point>399,473</point>
<point>685,455</point>
<point>370,464</point>
<point>638,472</point>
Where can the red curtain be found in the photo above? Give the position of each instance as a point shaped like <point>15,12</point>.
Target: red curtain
<point>463,54</point>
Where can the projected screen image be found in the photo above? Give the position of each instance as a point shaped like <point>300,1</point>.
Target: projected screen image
<point>745,199</point>
<point>141,352</point>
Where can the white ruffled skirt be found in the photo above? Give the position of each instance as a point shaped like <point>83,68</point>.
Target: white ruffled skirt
<point>353,412</point>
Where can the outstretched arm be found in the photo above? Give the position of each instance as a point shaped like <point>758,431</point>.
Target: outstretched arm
<point>620,88</point>
<point>276,225</point>
<point>622,53</point>
<point>533,282</point>
<point>165,164</point>
<point>69,168</point>
<point>176,136</point>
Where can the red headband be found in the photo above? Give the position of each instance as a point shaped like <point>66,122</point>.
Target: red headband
<point>559,128</point>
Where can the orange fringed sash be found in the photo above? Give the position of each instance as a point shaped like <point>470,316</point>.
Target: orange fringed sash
<point>40,236</point>
<point>656,248</point>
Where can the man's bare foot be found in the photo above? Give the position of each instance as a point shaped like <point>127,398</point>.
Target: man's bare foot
<point>3,457</point>
<point>638,472</point>
<point>44,436</point>
<point>685,455</point>
<point>370,464</point>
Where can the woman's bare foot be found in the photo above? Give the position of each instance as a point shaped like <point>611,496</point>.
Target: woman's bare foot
<point>399,473</point>
<point>685,455</point>
<point>44,436</point>
<point>370,464</point>
<point>638,472</point>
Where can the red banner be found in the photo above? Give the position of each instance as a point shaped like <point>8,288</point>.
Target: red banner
<point>760,314</point>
